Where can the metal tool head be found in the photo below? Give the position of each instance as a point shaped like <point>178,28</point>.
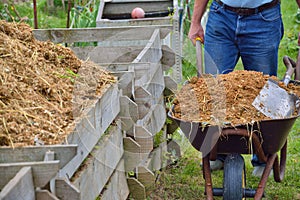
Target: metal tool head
<point>274,101</point>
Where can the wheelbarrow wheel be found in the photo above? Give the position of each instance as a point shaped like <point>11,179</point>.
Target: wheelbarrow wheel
<point>234,180</point>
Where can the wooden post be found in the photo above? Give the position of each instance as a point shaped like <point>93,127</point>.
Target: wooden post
<point>35,15</point>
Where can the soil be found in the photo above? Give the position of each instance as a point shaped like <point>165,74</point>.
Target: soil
<point>45,88</point>
<point>225,99</point>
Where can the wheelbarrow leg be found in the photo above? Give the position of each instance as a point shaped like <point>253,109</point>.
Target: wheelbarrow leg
<point>279,168</point>
<point>262,184</point>
<point>207,177</point>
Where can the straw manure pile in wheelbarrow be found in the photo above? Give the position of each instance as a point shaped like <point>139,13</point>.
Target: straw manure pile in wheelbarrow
<point>43,89</point>
<point>224,99</point>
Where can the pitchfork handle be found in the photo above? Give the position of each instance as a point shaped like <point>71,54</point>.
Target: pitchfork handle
<point>199,57</point>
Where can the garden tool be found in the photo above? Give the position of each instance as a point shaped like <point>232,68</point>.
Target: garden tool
<point>296,64</point>
<point>199,57</point>
<point>274,101</point>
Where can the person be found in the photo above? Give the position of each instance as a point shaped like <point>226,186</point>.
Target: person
<point>250,30</point>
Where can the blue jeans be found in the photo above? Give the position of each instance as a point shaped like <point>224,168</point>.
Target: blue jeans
<point>253,38</point>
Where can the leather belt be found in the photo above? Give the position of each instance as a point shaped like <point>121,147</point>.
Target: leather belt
<point>249,11</point>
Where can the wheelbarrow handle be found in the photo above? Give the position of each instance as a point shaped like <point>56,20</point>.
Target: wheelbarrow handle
<point>289,71</point>
<point>199,57</point>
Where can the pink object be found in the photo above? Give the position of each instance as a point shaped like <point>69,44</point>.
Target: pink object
<point>137,13</point>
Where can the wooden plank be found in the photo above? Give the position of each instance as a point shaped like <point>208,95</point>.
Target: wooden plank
<point>142,70</point>
<point>63,153</point>
<point>49,156</point>
<point>174,148</point>
<point>44,195</point>
<point>149,92</point>
<point>65,190</point>
<point>124,33</point>
<point>20,186</point>
<point>117,188</point>
<point>142,98</point>
<point>116,43</point>
<point>154,121</point>
<point>155,86</point>
<point>128,113</point>
<point>145,176</point>
<point>176,44</point>
<point>145,139</point>
<point>137,189</point>
<point>152,52</point>
<point>42,171</point>
<point>109,54</point>
<point>146,128</point>
<point>132,154</point>
<point>170,84</point>
<point>125,82</point>
<point>157,21</point>
<point>157,157</point>
<point>100,165</point>
<point>92,127</point>
<point>168,57</point>
<point>100,9</point>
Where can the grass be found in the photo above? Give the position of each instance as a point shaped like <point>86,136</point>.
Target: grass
<point>54,17</point>
<point>82,13</point>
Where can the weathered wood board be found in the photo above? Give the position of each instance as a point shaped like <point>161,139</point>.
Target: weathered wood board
<point>117,189</point>
<point>21,186</point>
<point>42,171</point>
<point>154,121</point>
<point>132,154</point>
<point>44,195</point>
<point>63,153</point>
<point>97,169</point>
<point>91,128</point>
<point>128,114</point>
<point>124,33</point>
<point>65,190</point>
<point>137,189</point>
<point>145,129</point>
<point>168,57</point>
<point>152,52</point>
<point>145,176</point>
<point>109,54</point>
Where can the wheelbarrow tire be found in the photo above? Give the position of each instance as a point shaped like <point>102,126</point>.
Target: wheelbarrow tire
<point>234,177</point>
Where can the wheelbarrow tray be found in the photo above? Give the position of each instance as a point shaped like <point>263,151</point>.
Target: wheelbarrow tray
<point>272,135</point>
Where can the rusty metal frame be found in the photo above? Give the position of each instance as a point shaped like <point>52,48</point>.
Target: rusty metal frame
<point>272,162</point>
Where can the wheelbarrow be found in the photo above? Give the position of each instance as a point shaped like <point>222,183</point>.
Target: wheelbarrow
<point>266,138</point>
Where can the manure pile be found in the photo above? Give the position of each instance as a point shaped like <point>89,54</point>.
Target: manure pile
<point>224,99</point>
<point>44,88</point>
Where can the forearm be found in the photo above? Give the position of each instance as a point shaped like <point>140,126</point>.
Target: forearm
<point>199,9</point>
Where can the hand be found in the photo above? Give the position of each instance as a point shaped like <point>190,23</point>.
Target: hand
<point>196,31</point>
